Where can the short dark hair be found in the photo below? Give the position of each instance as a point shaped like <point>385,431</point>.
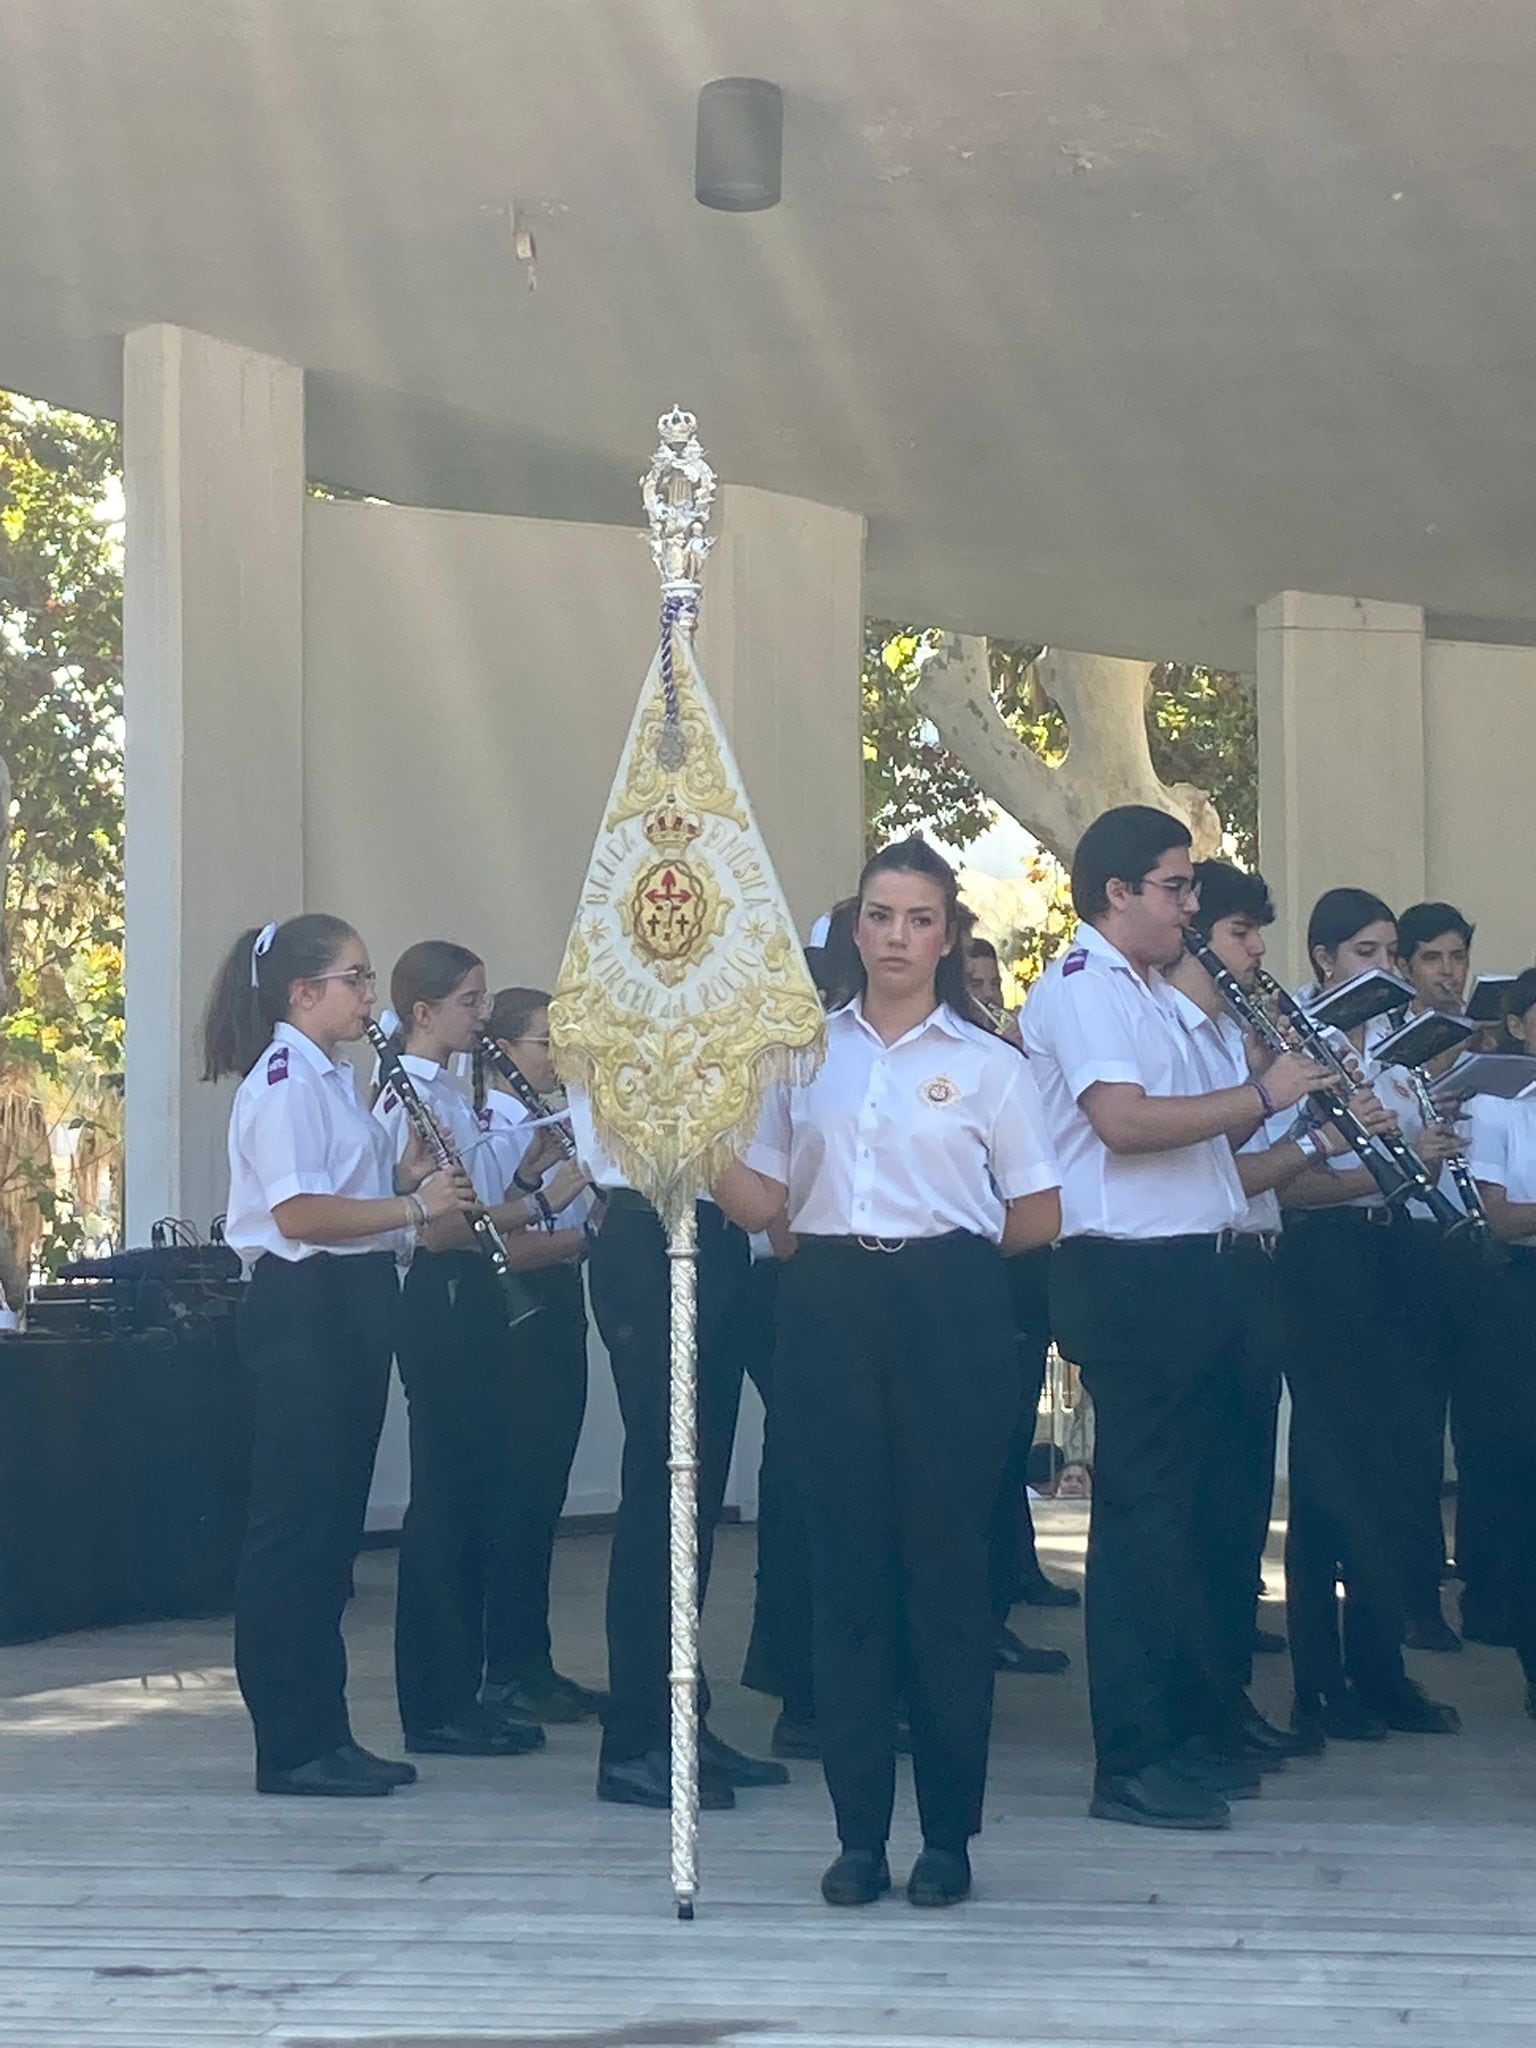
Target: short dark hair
<point>1228,891</point>
<point>1421,922</point>
<point>978,948</point>
<point>1520,995</point>
<point>1338,914</point>
<point>1125,843</point>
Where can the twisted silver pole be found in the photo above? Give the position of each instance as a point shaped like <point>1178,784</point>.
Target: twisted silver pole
<point>683,1550</point>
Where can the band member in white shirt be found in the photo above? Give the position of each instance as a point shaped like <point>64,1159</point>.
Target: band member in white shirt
<point>1234,910</point>
<point>1350,1345</point>
<point>1434,952</point>
<point>916,1152</point>
<point>1147,1299</point>
<point>1501,1153</point>
<point>454,1363</point>
<point>544,1390</point>
<point>318,1208</point>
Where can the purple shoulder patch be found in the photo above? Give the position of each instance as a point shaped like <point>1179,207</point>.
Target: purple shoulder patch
<point>1075,961</point>
<point>277,1065</point>
<point>483,1116</point>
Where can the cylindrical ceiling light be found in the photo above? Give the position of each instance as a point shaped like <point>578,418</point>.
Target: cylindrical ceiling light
<point>739,159</point>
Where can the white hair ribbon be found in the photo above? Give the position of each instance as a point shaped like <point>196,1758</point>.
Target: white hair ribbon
<point>262,944</point>
<point>820,929</point>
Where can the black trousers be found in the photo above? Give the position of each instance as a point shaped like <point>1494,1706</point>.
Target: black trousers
<point>1434,1283</point>
<point>630,1299</point>
<point>1012,1559</point>
<point>898,1383</point>
<point>315,1337</point>
<point>1501,1414</point>
<point>1158,1331</point>
<point>455,1361</point>
<point>1346,1342</point>
<point>540,1402</point>
<point>778,1660</point>
<point>1240,1480</point>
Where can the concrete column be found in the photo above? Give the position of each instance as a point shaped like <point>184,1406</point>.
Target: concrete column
<point>781,640</point>
<point>1341,755</point>
<point>213,683</point>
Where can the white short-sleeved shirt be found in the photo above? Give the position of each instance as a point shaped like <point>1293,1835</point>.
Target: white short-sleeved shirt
<point>1223,1053</point>
<point>1501,1147</point>
<point>932,1134</point>
<point>1091,1017</point>
<point>505,1126</point>
<point>454,1111</point>
<point>298,1128</point>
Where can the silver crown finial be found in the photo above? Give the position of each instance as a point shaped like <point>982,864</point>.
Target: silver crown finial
<point>679,491</point>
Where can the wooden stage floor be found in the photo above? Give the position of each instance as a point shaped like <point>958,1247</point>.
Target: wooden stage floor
<point>149,1900</point>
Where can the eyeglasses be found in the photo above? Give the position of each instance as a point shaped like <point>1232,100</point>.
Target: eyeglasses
<point>529,1039</point>
<point>481,1004</point>
<point>357,978</point>
<point>1183,889</point>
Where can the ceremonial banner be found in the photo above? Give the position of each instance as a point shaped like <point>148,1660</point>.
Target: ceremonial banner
<point>684,991</point>
<point>683,995</point>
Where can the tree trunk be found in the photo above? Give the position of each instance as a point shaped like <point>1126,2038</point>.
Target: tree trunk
<point>5,858</point>
<point>1108,762</point>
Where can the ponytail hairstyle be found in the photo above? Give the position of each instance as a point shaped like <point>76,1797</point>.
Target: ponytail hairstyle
<point>512,1011</point>
<point>1519,998</point>
<point>915,856</point>
<point>1337,915</point>
<point>427,972</point>
<point>250,993</point>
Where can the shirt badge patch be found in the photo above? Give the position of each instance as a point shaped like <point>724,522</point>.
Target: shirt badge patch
<point>940,1091</point>
<point>1075,961</point>
<point>277,1065</point>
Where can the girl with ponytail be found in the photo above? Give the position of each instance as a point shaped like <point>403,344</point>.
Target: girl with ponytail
<point>318,1208</point>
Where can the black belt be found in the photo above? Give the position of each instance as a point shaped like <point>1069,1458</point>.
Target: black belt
<point>866,1243</point>
<point>1378,1217</point>
<point>631,1198</point>
<point>1219,1242</point>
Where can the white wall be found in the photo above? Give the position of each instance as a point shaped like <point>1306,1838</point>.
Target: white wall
<point>468,683</point>
<point>1479,752</point>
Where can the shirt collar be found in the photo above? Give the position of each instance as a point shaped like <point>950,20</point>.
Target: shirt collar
<point>1092,941</point>
<point>420,1069</point>
<point>290,1035</point>
<point>941,1018</point>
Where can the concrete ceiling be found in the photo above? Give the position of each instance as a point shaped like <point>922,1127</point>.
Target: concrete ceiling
<point>1113,316</point>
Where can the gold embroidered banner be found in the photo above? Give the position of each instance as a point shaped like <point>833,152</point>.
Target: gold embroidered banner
<point>684,992</point>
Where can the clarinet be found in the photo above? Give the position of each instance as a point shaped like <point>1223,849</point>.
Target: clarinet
<point>537,1107</point>
<point>1388,1176</point>
<point>1411,1178</point>
<point>519,1303</point>
<point>526,1093</point>
<point>1478,1230</point>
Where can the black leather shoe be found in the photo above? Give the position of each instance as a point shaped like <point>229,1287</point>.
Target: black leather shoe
<point>1044,1592</point>
<point>857,1878</point>
<point>1228,1776</point>
<point>1267,1643</point>
<point>381,1767</point>
<point>647,1781</point>
<point>332,1776</point>
<point>901,1742</point>
<point>1432,1632</point>
<point>1010,1654</point>
<point>1409,1710</point>
<point>1158,1798</point>
<point>546,1698</point>
<point>795,1736</point>
<point>736,1768</point>
<point>1260,1741</point>
<point>1337,1717</point>
<point>481,1734</point>
<point>940,1877</point>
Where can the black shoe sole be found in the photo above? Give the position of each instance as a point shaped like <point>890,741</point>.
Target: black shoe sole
<point>430,1748</point>
<point>1137,1817</point>
<point>927,1901</point>
<point>624,1795</point>
<point>861,1897</point>
<point>365,1788</point>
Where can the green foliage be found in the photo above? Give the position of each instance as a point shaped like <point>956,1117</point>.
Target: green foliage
<point>1201,725</point>
<point>61,732</point>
